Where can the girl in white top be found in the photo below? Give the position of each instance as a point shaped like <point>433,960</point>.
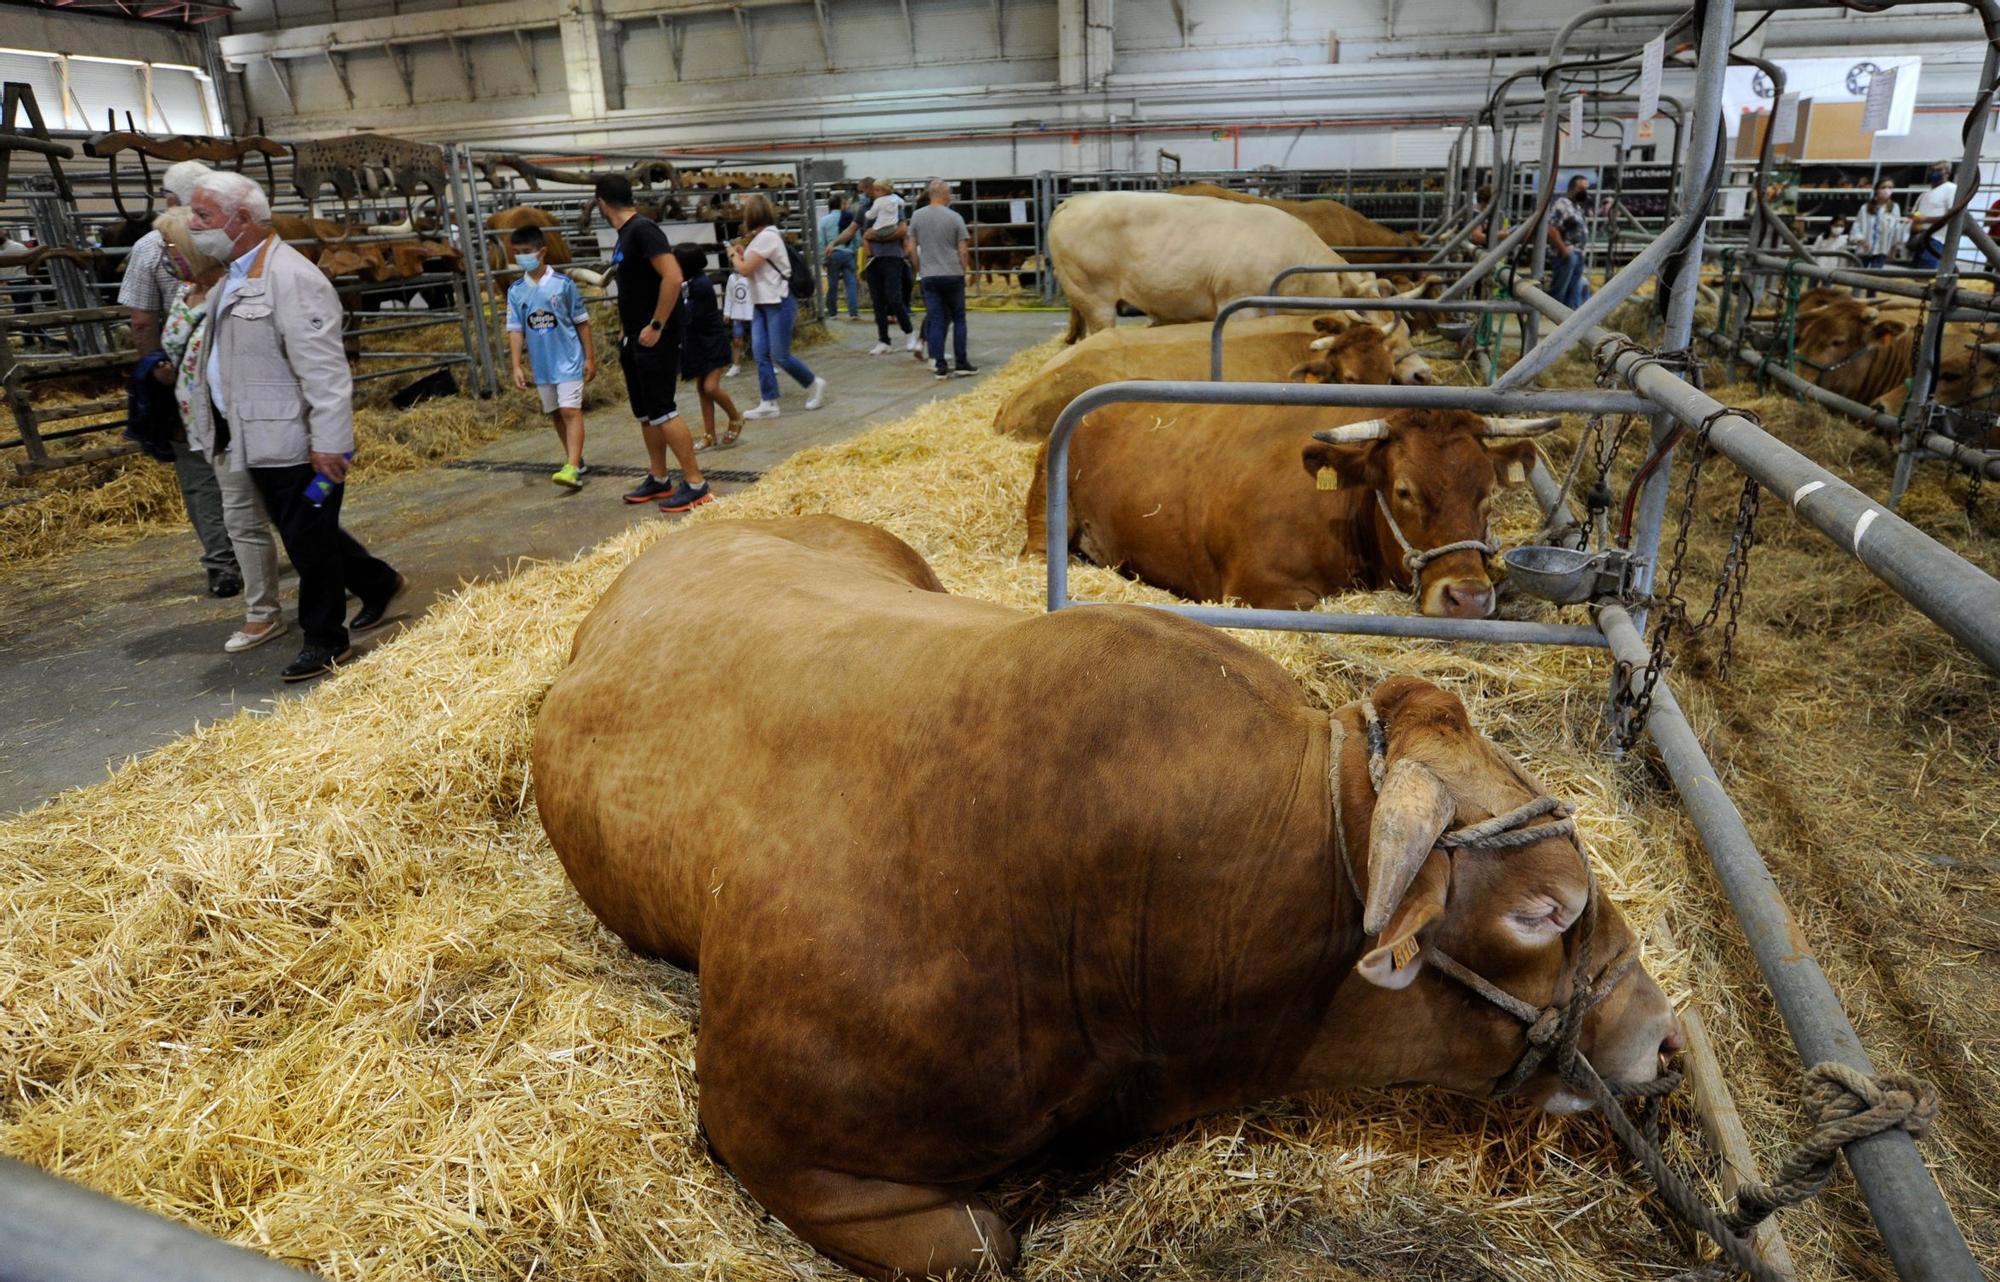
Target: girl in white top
<point>737,309</point>
<point>768,264</point>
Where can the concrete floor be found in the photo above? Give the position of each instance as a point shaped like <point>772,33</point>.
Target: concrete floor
<point>112,652</point>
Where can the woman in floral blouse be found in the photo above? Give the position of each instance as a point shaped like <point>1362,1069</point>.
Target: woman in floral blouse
<point>184,337</point>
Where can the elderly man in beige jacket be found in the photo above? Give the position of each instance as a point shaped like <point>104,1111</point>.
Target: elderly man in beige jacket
<point>280,388</point>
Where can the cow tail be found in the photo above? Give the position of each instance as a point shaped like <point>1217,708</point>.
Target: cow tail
<point>1075,326</point>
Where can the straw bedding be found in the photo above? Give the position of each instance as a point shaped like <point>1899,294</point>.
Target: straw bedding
<point>313,980</point>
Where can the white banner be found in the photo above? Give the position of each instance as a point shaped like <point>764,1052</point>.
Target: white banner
<point>1576,118</point>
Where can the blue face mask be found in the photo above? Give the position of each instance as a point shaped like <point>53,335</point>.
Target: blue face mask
<point>528,262</point>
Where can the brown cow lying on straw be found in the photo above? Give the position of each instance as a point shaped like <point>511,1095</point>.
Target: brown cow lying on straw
<point>1210,502</point>
<point>966,885</point>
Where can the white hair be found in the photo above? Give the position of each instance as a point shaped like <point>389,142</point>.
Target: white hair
<point>180,178</point>
<point>233,191</point>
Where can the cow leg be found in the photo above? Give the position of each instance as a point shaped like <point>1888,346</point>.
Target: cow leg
<point>886,1230</point>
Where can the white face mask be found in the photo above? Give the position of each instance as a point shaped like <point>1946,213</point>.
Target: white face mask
<point>216,243</point>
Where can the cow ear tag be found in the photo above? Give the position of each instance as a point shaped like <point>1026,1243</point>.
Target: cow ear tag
<point>1404,952</point>
<point>1327,478</point>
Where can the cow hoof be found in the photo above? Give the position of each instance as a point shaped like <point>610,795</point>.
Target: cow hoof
<point>895,1231</point>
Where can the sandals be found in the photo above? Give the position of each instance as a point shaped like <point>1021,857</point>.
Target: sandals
<point>706,443</point>
<point>731,434</point>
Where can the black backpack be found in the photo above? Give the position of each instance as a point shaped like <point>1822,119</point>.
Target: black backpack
<point>801,278</point>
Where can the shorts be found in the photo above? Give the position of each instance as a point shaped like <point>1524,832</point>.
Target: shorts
<point>561,396</point>
<point>739,328</point>
<point>650,375</point>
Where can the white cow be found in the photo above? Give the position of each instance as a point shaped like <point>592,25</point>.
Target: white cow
<point>1180,258</point>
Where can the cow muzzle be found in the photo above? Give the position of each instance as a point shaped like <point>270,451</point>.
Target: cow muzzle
<point>1459,598</point>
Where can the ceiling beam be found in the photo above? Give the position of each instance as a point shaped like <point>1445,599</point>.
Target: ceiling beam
<point>826,33</point>
<point>338,61</point>
<point>528,56</point>
<point>373,33</point>
<point>463,51</point>
<point>910,30</point>
<point>399,57</point>
<point>749,47</point>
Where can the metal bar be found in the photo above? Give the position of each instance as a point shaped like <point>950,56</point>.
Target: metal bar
<point>53,1229</point>
<point>88,429</point>
<point>1945,587</point>
<point>1915,1224</point>
<point>1984,462</point>
<point>1865,279</point>
<point>55,463</point>
<point>1416,626</point>
<point>1806,387</point>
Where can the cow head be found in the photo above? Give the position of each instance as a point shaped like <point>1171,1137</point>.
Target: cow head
<point>1359,354</point>
<point>1408,366</point>
<point>1837,340</point>
<point>1969,373</point>
<point>1433,473</point>
<point>1515,917</point>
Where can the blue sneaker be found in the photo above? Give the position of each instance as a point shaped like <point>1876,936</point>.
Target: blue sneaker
<point>686,497</point>
<point>647,490</point>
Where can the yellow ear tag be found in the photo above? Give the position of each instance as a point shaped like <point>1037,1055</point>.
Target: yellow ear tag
<point>1516,473</point>
<point>1327,478</point>
<point>1404,952</point>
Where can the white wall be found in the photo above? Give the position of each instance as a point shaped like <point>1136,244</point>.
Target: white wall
<point>968,86</point>
<point>106,64</point>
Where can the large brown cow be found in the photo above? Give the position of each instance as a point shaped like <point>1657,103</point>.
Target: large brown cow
<point>506,220</point>
<point>1262,349</point>
<point>1219,502</point>
<point>1333,222</point>
<point>1181,258</point>
<point>1865,349</point>
<point>948,922</point>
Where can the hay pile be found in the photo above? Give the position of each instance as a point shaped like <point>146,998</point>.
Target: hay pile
<point>314,981</point>
<point>101,504</point>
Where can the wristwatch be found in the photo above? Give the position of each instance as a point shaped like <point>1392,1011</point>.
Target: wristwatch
<point>658,327</point>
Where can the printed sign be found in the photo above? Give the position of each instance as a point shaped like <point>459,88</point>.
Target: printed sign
<point>1881,96</point>
<point>1651,60</point>
<point>1576,118</point>
<point>1785,120</point>
<point>1017,211</point>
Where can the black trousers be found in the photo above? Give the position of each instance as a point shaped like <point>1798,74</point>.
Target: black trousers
<point>889,291</point>
<point>330,562</point>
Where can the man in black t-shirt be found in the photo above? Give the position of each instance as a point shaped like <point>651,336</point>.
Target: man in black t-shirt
<point>649,348</point>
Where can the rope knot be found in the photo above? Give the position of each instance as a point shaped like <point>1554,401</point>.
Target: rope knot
<point>1547,1028</point>
<point>1857,1105</point>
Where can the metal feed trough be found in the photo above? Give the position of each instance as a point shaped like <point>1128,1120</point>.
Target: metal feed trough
<point>1915,1224</point>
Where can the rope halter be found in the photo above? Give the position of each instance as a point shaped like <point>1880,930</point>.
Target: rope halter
<point>1553,1031</point>
<point>1415,558</point>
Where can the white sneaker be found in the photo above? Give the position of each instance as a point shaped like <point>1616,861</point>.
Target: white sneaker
<point>732,371</point>
<point>816,394</point>
<point>763,409</point>
<point>240,640</point>
<point>911,346</point>
<point>878,349</point>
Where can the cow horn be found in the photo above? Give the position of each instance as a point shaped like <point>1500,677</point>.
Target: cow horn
<point>1411,812</point>
<point>1416,290</point>
<point>1521,426</point>
<point>1989,349</point>
<point>1373,429</point>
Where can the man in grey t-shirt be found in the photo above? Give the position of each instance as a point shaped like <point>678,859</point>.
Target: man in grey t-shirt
<point>942,249</point>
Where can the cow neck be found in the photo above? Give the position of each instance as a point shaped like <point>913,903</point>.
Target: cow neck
<point>1552,1031</point>
<point>1366,531</point>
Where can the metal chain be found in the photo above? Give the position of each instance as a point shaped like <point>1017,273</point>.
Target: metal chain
<point>1635,696</point>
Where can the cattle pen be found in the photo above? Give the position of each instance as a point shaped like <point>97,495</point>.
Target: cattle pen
<point>445,1068</point>
<point>1916,1227</point>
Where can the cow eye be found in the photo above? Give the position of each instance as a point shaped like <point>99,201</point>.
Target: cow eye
<point>1540,921</point>
<point>1403,492</point>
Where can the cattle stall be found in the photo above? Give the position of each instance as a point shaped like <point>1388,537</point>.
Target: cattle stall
<point>1568,563</point>
<point>692,196</point>
<point>81,213</point>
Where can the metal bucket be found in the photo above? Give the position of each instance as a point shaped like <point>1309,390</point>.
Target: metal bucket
<point>1562,575</point>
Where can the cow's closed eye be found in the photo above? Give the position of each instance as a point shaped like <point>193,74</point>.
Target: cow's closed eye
<point>1540,919</point>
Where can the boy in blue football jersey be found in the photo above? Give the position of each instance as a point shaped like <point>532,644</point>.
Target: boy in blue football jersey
<point>545,314</point>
